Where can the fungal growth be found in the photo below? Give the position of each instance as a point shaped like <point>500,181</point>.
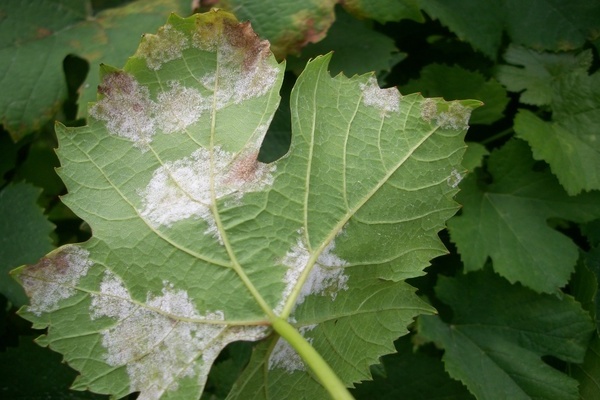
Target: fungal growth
<point>386,100</point>
<point>130,113</point>
<point>168,44</point>
<point>455,117</point>
<point>163,339</point>
<point>55,277</point>
<point>183,189</point>
<point>455,178</point>
<point>326,278</point>
<point>283,355</point>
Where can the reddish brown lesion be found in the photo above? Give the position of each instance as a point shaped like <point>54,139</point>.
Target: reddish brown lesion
<point>117,82</point>
<point>241,36</point>
<point>42,32</point>
<point>245,167</point>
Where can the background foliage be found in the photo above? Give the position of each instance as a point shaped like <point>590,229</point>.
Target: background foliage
<point>516,296</point>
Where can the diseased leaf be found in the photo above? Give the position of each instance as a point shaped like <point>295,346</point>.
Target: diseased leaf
<point>288,24</point>
<point>351,39</point>
<point>507,221</point>
<point>36,37</point>
<point>24,235</point>
<point>499,333</point>
<point>536,74</point>
<point>385,11</point>
<point>540,24</point>
<point>454,82</point>
<point>196,244</point>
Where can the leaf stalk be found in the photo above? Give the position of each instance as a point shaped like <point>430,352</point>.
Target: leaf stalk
<point>330,381</point>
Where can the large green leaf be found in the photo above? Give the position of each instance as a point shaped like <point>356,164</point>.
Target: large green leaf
<point>196,244</point>
<point>541,24</point>
<point>36,37</point>
<point>507,221</point>
<point>499,333</point>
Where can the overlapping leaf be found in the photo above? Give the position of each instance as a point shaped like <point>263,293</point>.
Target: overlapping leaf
<point>499,333</point>
<point>507,221</point>
<point>197,244</point>
<point>543,24</point>
<point>36,37</point>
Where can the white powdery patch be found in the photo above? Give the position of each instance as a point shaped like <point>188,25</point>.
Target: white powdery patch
<point>179,107</point>
<point>126,109</point>
<point>168,44</point>
<point>129,112</point>
<point>285,357</point>
<point>387,100</point>
<point>457,116</point>
<point>454,179</point>
<point>182,189</point>
<point>163,340</point>
<point>237,82</point>
<point>54,278</point>
<point>327,276</point>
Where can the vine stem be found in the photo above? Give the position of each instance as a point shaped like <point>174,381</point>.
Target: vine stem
<point>317,364</point>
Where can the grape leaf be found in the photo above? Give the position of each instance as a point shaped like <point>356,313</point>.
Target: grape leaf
<point>454,82</point>
<point>541,24</point>
<point>412,374</point>
<point>24,235</point>
<point>570,142</point>
<point>499,332</point>
<point>290,25</point>
<point>385,11</point>
<point>36,37</point>
<point>507,220</point>
<point>196,244</point>
<point>350,39</point>
<point>536,74</point>
<point>588,373</point>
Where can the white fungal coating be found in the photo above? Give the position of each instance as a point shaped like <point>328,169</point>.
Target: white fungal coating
<point>283,356</point>
<point>130,113</point>
<point>54,278</point>
<point>168,44</point>
<point>386,100</point>
<point>327,276</point>
<point>456,117</point>
<point>183,189</point>
<point>163,339</point>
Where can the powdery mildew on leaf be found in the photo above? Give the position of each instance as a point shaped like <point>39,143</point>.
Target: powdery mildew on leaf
<point>326,277</point>
<point>284,356</point>
<point>387,100</point>
<point>455,178</point>
<point>182,189</point>
<point>456,117</point>
<point>54,277</point>
<point>164,339</point>
<point>129,112</point>
<point>168,44</point>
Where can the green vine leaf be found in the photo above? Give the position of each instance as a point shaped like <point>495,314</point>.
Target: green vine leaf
<point>35,39</point>
<point>499,333</point>
<point>196,244</point>
<point>507,220</point>
<point>562,26</point>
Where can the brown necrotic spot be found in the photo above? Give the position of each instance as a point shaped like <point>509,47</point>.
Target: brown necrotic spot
<point>54,277</point>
